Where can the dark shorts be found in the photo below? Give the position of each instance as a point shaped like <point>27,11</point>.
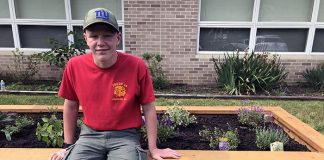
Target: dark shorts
<point>106,145</point>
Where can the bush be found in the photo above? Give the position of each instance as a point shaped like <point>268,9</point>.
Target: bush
<point>158,77</point>
<point>265,136</point>
<point>50,131</point>
<point>249,74</point>
<point>24,68</point>
<point>252,116</point>
<point>179,116</point>
<point>60,53</point>
<point>315,77</point>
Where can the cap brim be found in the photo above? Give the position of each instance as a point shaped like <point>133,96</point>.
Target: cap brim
<point>97,22</point>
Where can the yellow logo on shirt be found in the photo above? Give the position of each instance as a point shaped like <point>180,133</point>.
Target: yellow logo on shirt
<point>119,91</point>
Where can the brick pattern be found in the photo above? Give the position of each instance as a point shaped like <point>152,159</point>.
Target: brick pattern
<point>47,72</point>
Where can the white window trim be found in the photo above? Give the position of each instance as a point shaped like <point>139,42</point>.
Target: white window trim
<point>254,25</point>
<point>68,22</point>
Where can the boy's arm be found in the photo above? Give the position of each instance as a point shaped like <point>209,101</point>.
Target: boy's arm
<point>151,127</point>
<point>70,117</point>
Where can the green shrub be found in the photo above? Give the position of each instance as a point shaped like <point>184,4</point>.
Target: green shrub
<point>60,53</point>
<point>24,68</point>
<point>179,116</point>
<point>50,131</point>
<point>252,116</point>
<point>21,122</point>
<point>265,136</point>
<point>155,67</point>
<point>165,130</point>
<point>315,77</point>
<point>250,73</point>
<point>214,136</point>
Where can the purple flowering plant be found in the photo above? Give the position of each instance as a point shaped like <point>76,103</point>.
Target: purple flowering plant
<point>252,116</point>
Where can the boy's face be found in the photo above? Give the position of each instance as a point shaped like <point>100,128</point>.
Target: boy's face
<point>102,41</point>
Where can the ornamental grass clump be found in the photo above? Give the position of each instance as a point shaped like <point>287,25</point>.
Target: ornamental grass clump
<point>267,135</point>
<point>216,135</point>
<point>252,116</point>
<point>315,77</point>
<point>249,73</point>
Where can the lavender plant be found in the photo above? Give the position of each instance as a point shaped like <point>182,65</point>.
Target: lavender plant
<point>165,129</point>
<point>267,135</point>
<point>252,116</point>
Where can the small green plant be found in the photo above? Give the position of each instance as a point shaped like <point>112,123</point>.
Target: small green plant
<point>62,52</point>
<point>155,67</point>
<point>267,135</point>
<point>252,116</point>
<point>3,116</point>
<point>50,131</point>
<point>24,68</point>
<point>9,131</point>
<point>214,137</point>
<point>315,77</point>
<point>179,116</point>
<point>21,122</point>
<point>249,73</point>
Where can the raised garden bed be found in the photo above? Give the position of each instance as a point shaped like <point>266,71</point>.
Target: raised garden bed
<point>295,128</point>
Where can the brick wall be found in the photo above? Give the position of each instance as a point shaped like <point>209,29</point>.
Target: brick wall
<point>170,27</point>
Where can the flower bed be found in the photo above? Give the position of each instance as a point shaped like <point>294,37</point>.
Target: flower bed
<point>296,129</point>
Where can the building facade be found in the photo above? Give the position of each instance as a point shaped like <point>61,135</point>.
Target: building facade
<point>187,33</point>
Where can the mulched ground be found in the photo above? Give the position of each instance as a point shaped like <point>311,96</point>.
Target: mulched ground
<point>189,139</point>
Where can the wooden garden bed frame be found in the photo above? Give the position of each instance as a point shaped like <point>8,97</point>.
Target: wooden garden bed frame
<point>295,128</point>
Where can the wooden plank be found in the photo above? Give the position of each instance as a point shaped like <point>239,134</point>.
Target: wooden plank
<point>304,132</point>
<point>44,154</point>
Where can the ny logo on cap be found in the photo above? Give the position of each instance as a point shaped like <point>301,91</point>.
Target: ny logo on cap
<point>102,14</point>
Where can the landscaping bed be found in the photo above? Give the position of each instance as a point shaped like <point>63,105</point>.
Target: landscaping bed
<point>188,138</point>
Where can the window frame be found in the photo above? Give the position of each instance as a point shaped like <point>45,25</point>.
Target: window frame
<point>254,25</point>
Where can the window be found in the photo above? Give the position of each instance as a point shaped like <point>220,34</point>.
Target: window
<point>318,41</point>
<point>213,10</point>
<point>321,12</point>
<point>39,36</point>
<point>262,25</point>
<point>224,39</point>
<point>285,10</point>
<point>32,23</point>
<point>6,39</point>
<point>281,40</point>
<point>40,9</point>
<point>4,9</point>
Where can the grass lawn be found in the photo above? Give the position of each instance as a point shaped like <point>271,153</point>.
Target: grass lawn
<point>310,112</point>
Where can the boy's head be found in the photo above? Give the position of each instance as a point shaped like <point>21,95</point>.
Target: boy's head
<point>100,15</point>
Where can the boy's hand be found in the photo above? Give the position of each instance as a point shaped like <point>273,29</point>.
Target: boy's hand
<point>58,155</point>
<point>159,154</point>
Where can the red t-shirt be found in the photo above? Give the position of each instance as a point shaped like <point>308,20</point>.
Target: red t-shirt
<point>111,97</point>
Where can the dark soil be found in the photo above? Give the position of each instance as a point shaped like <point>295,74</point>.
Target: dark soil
<point>189,139</point>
